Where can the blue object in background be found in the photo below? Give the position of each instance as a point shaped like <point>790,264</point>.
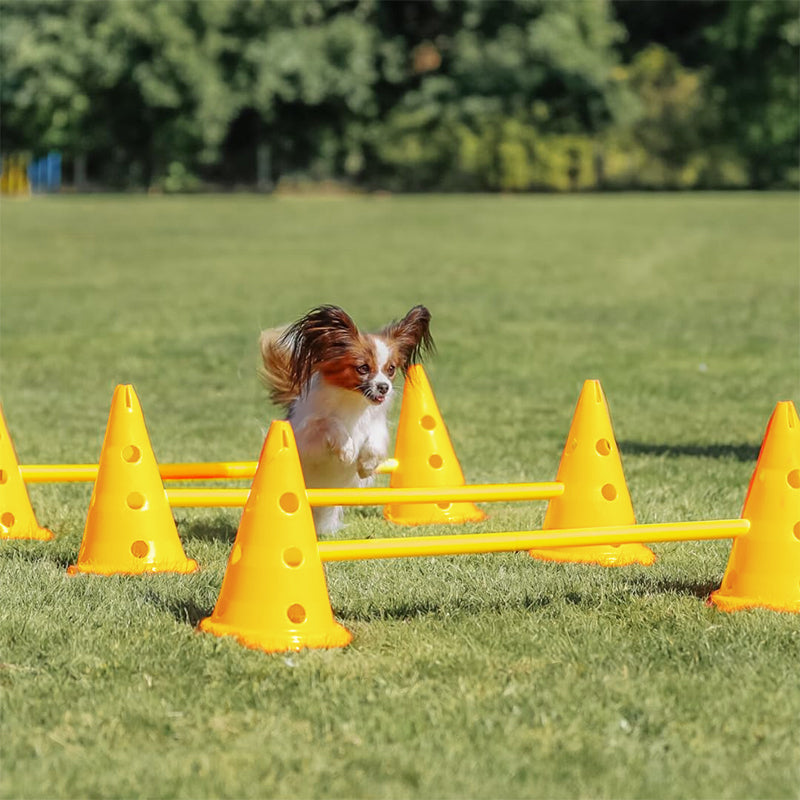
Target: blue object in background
<point>44,174</point>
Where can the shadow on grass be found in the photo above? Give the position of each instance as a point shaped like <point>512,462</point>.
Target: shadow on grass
<point>188,611</point>
<point>407,610</point>
<point>737,452</point>
<point>665,586</point>
<point>184,609</point>
<point>209,530</point>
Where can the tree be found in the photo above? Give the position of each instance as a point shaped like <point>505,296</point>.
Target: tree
<point>755,54</point>
<point>508,79</point>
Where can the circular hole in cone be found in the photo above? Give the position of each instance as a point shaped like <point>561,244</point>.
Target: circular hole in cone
<point>132,454</point>
<point>296,613</point>
<point>794,478</point>
<point>436,461</point>
<point>293,556</point>
<point>3,476</point>
<point>140,548</point>
<point>289,502</point>
<point>609,492</point>
<point>137,501</point>
<point>428,422</point>
<point>7,521</point>
<point>444,506</point>
<point>796,531</point>
<point>603,447</point>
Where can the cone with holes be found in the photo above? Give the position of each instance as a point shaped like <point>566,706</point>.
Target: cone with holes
<point>274,596</point>
<point>129,528</point>
<point>595,493</point>
<point>17,520</point>
<point>426,458</point>
<point>764,565</point>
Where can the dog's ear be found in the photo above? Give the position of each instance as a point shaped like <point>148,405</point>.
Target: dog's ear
<point>324,333</point>
<point>411,336</point>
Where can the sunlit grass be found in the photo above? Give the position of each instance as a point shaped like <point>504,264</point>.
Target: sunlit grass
<point>481,676</point>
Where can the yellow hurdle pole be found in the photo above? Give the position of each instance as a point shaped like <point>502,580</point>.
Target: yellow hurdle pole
<point>481,493</point>
<point>477,543</point>
<point>58,473</point>
<point>212,470</point>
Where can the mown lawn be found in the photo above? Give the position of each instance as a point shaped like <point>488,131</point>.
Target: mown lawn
<point>468,677</point>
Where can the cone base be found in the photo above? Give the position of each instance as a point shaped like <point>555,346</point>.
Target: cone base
<point>33,532</point>
<point>182,568</point>
<point>334,635</point>
<point>731,603</point>
<point>623,555</point>
<point>433,513</point>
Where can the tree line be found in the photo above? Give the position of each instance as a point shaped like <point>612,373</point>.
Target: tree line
<point>406,95</point>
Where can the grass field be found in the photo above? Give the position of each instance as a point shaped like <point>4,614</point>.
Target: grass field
<point>471,677</point>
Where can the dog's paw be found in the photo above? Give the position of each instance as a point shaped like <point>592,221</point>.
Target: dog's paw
<point>343,447</point>
<point>368,461</point>
<point>347,453</point>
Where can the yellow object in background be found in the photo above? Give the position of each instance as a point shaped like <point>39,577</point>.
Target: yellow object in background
<point>14,177</point>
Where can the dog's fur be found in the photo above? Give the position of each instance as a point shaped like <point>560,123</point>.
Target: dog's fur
<point>336,383</point>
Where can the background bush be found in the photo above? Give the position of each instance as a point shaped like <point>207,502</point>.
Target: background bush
<point>406,95</point>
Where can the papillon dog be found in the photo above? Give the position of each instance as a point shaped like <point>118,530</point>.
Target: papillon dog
<point>336,383</point>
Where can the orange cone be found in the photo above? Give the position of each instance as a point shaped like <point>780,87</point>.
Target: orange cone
<point>17,520</point>
<point>595,493</point>
<point>764,565</point>
<point>129,528</point>
<point>274,596</point>
<point>426,458</point>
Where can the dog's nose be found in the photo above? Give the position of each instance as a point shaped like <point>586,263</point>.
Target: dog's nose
<point>382,388</point>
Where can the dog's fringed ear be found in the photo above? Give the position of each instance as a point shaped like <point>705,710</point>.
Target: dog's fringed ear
<point>324,333</point>
<point>412,336</point>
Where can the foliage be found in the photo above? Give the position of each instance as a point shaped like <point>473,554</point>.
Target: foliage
<point>755,53</point>
<point>404,94</point>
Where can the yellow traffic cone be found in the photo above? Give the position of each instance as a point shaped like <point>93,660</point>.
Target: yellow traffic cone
<point>595,493</point>
<point>17,520</point>
<point>274,596</point>
<point>129,528</point>
<point>426,458</point>
<point>764,565</point>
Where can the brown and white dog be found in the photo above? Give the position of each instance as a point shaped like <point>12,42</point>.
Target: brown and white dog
<point>336,383</point>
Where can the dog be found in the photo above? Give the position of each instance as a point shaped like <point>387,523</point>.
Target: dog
<point>336,383</point>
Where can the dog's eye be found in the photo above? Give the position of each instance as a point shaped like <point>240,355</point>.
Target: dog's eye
<point>390,370</point>
<point>362,369</point>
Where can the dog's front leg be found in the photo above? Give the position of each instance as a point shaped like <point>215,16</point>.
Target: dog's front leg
<point>372,453</point>
<point>321,437</point>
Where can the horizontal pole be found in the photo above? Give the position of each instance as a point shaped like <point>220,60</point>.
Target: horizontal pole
<point>58,473</point>
<point>213,470</point>
<point>477,543</point>
<point>483,493</point>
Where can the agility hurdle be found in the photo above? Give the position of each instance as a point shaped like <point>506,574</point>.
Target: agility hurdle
<point>368,496</point>
<point>510,542</point>
<point>184,471</point>
<point>274,593</point>
<point>589,490</point>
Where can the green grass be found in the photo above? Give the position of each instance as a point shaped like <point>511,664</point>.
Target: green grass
<point>472,677</point>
